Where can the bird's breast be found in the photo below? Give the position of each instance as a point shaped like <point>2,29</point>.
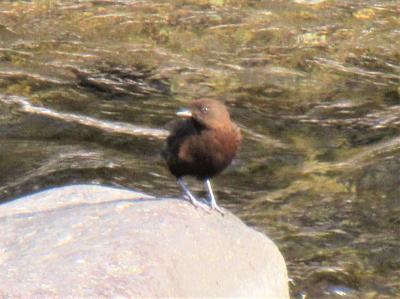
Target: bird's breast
<point>219,147</point>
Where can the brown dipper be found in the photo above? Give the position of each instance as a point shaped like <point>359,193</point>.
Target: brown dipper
<point>202,145</point>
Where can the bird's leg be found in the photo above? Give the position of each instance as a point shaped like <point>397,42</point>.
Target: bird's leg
<point>189,194</point>
<point>213,202</point>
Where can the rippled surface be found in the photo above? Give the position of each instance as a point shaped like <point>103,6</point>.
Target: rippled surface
<point>86,88</point>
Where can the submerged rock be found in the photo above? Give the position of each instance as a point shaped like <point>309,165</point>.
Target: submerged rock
<point>84,240</point>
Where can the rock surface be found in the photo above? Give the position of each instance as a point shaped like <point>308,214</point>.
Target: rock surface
<point>94,241</point>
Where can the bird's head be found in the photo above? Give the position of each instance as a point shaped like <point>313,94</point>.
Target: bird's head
<point>207,112</point>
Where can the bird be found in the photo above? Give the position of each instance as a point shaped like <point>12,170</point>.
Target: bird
<point>201,144</point>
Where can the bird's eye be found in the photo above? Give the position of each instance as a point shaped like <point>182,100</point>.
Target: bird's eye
<point>204,109</point>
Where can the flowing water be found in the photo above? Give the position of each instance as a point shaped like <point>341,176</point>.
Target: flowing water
<point>87,86</point>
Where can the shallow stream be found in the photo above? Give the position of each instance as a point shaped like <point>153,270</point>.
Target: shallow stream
<point>87,86</point>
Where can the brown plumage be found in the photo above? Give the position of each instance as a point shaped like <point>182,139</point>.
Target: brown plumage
<point>202,145</point>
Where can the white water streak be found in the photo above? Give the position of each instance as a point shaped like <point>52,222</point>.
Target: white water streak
<point>108,126</point>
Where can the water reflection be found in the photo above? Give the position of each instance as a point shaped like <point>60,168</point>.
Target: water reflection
<point>86,88</point>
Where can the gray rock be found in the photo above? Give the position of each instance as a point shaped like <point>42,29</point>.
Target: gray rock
<point>94,241</point>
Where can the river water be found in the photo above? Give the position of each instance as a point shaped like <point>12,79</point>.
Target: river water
<point>87,86</point>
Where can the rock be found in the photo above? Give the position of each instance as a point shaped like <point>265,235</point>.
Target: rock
<point>95,241</point>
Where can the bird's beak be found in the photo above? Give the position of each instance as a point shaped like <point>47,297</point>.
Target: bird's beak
<point>184,113</point>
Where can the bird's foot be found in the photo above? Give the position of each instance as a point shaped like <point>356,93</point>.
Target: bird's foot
<point>197,203</point>
<point>190,197</point>
<point>214,206</point>
<point>210,204</point>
